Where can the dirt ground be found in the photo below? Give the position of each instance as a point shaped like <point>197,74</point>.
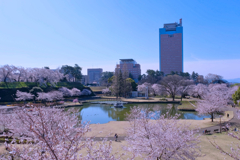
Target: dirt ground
<point>208,151</point>
<point>112,127</point>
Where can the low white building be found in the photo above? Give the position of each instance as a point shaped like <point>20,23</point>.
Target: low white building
<point>137,94</point>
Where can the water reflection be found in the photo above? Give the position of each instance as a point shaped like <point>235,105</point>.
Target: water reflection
<point>102,113</point>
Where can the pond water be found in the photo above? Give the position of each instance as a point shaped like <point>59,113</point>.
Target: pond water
<point>103,113</point>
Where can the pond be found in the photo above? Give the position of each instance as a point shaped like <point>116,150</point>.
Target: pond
<point>103,113</point>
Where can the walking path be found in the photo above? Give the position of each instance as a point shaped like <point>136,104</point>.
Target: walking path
<point>233,122</point>
<point>8,108</point>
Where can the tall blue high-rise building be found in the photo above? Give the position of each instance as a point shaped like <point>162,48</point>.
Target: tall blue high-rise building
<point>171,47</point>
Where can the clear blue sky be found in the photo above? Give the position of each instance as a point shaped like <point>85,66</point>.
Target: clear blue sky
<point>95,33</point>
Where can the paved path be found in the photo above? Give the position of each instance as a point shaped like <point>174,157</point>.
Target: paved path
<point>109,138</point>
<point>233,122</point>
<point>8,108</point>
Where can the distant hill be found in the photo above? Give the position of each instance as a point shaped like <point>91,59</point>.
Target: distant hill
<point>236,80</point>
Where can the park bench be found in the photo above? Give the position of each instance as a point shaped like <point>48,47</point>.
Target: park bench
<point>225,129</point>
<point>216,130</point>
<point>208,132</point>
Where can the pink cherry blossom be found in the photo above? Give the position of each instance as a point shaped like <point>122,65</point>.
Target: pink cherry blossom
<point>22,96</point>
<point>106,91</point>
<point>215,99</point>
<point>162,138</point>
<point>75,92</point>
<point>66,92</point>
<point>50,96</point>
<point>54,134</point>
<point>75,100</point>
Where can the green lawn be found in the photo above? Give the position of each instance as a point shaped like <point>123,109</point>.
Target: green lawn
<point>13,85</point>
<point>97,88</point>
<point>187,105</point>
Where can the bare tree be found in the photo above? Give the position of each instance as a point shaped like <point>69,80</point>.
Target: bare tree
<point>6,73</point>
<point>213,77</point>
<point>171,84</point>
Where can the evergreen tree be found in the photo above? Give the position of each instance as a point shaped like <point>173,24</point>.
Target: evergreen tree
<point>236,96</point>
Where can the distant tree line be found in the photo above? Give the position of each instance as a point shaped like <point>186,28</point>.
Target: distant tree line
<point>152,77</point>
<point>43,76</point>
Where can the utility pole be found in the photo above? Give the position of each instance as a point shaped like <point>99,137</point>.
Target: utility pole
<point>220,125</point>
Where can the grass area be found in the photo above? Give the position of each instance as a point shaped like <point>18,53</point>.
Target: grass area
<point>186,105</point>
<point>222,139</point>
<point>176,97</point>
<point>13,85</point>
<point>97,88</point>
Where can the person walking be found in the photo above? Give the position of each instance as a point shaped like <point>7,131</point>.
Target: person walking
<point>227,115</point>
<point>116,137</point>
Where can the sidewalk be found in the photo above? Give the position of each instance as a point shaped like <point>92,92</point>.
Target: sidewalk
<point>8,108</point>
<point>233,122</point>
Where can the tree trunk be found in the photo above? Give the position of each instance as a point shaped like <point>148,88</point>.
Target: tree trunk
<point>181,97</point>
<point>173,97</point>
<point>212,116</point>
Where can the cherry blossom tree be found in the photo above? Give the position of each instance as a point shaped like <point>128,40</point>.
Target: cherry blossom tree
<point>144,86</point>
<point>54,134</point>
<point>22,96</point>
<point>215,101</point>
<point>106,91</point>
<point>5,120</point>
<point>199,90</point>
<point>66,92</point>
<point>75,100</point>
<point>86,92</point>
<point>50,96</point>
<point>6,72</point>
<point>75,92</point>
<point>19,74</point>
<point>186,87</point>
<point>43,76</point>
<point>156,89</point>
<point>133,116</point>
<point>162,138</point>
<point>70,92</point>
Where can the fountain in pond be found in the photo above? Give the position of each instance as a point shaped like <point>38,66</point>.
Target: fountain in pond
<point>118,104</point>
